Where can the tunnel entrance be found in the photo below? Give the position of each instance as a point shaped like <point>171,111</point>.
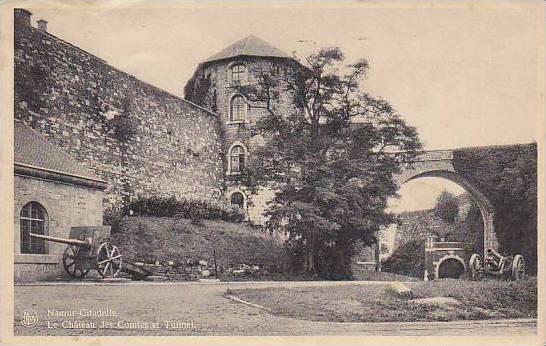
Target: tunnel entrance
<point>451,268</point>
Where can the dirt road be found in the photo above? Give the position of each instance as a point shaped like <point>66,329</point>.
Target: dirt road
<point>199,309</point>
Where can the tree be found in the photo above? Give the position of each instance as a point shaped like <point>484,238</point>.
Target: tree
<point>332,175</point>
<point>470,231</point>
<point>447,207</point>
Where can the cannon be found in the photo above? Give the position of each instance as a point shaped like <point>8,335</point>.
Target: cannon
<point>88,248</point>
<point>497,265</point>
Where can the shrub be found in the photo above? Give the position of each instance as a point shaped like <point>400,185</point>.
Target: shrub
<point>189,209</point>
<point>447,207</point>
<point>112,217</point>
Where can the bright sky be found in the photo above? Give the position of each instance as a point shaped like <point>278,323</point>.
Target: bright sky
<point>464,75</point>
<point>421,193</point>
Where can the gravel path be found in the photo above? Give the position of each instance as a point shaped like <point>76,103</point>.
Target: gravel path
<point>201,309</point>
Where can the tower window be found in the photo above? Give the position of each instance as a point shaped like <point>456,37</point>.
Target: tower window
<point>237,159</point>
<point>238,74</point>
<point>237,111</point>
<point>33,219</point>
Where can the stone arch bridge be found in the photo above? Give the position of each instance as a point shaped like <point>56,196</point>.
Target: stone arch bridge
<point>439,164</point>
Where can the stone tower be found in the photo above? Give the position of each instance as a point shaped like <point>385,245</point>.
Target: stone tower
<point>216,85</point>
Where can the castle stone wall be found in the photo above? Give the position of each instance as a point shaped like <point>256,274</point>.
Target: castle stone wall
<point>141,140</point>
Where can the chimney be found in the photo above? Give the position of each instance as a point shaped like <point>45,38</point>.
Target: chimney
<point>22,16</point>
<point>42,25</point>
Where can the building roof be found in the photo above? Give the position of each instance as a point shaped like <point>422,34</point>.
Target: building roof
<point>34,150</point>
<point>249,46</point>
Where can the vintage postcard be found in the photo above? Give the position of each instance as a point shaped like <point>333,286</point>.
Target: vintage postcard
<point>360,172</point>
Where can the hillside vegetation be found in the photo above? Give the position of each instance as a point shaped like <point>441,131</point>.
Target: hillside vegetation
<point>163,239</point>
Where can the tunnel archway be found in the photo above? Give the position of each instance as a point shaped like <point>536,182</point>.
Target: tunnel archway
<point>451,267</point>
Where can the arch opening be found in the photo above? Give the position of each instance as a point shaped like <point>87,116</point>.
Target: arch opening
<point>237,108</point>
<point>461,235</point>
<point>237,158</point>
<point>433,206</point>
<point>485,207</point>
<point>33,218</point>
<point>451,268</point>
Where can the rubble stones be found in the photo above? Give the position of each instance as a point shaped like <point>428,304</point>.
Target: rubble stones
<point>193,271</point>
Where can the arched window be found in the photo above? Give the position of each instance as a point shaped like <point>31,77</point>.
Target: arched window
<point>33,219</point>
<point>237,109</point>
<point>237,159</point>
<point>238,74</point>
<point>238,199</point>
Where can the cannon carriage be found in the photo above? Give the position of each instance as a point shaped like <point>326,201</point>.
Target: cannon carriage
<point>496,265</point>
<point>88,248</point>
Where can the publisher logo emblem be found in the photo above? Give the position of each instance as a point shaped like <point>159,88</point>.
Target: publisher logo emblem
<point>30,318</point>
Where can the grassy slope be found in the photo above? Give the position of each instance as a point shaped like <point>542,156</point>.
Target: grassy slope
<point>148,239</point>
<point>373,303</point>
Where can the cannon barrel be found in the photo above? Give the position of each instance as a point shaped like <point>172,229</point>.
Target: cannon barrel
<point>76,242</point>
<point>495,254</point>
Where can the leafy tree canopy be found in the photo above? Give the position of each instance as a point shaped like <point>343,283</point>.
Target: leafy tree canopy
<point>331,159</point>
<point>447,207</point>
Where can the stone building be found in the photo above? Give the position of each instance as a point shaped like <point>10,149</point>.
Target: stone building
<point>138,138</point>
<point>89,137</point>
<point>217,84</point>
<point>52,193</point>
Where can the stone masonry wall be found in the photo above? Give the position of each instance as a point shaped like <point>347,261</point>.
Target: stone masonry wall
<point>138,138</point>
<point>66,206</point>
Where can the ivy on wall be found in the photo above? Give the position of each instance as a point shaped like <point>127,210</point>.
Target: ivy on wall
<point>198,90</point>
<point>125,125</point>
<point>507,175</point>
<point>32,87</point>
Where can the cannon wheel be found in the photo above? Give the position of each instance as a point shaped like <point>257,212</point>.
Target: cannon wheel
<point>518,267</point>
<point>108,260</point>
<point>70,262</point>
<point>476,267</point>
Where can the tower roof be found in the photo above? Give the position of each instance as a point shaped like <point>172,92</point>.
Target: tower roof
<point>249,46</point>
